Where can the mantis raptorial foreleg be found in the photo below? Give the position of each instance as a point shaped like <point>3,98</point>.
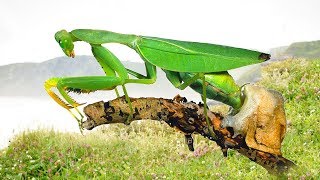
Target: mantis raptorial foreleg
<point>53,82</point>
<point>116,73</point>
<point>108,72</point>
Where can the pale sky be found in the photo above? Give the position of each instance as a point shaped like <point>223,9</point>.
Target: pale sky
<point>27,27</point>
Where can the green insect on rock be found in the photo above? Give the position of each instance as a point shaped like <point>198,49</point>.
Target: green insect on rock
<point>201,66</point>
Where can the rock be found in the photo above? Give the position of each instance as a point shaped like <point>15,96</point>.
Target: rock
<point>261,119</point>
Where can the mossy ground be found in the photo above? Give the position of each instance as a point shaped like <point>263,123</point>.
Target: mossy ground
<point>151,150</point>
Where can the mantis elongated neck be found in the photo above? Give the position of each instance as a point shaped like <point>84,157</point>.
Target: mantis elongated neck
<point>102,36</point>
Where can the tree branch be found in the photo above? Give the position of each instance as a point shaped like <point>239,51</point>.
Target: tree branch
<point>188,117</point>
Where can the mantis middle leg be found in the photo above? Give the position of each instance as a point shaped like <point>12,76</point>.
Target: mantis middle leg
<point>150,78</point>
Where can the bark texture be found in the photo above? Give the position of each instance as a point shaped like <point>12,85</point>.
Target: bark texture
<point>188,117</point>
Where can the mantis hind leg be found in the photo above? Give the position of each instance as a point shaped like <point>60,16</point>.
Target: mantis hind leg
<point>205,108</point>
<point>218,86</point>
<point>180,83</point>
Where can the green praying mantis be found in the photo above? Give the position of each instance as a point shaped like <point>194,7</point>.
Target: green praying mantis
<point>201,66</point>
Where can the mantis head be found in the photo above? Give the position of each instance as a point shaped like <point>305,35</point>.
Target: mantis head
<point>65,41</point>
